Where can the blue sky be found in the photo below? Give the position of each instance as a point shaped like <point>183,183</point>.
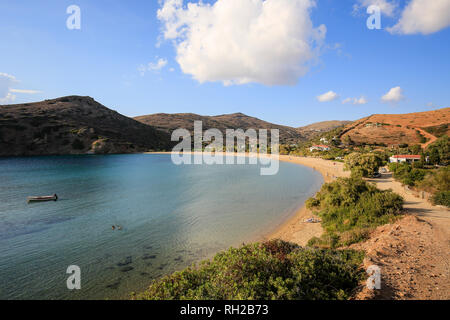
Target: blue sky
<point>41,58</point>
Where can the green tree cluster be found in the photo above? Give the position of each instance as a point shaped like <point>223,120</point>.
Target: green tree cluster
<point>363,164</point>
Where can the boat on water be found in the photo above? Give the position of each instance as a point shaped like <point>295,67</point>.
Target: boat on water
<point>43,198</point>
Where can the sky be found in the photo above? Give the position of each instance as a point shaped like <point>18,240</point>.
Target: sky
<point>291,62</point>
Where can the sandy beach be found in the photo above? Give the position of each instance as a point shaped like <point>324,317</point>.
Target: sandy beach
<point>295,229</point>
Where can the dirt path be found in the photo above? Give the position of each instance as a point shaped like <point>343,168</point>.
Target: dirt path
<point>414,253</point>
<point>430,137</point>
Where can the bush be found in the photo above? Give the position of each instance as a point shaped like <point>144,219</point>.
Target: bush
<point>439,151</point>
<point>436,181</point>
<point>441,198</point>
<point>264,271</point>
<point>406,174</point>
<point>365,165</point>
<point>350,208</point>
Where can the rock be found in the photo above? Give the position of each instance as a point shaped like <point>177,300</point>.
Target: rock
<point>127,261</point>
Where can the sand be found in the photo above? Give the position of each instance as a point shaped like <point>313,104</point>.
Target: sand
<point>295,229</point>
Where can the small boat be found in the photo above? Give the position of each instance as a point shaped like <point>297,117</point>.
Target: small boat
<point>43,198</point>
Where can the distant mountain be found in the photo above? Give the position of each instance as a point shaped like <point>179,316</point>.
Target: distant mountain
<point>171,122</point>
<point>73,125</point>
<point>396,129</point>
<point>313,130</point>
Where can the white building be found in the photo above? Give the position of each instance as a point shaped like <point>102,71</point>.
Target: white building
<point>320,147</point>
<point>404,158</point>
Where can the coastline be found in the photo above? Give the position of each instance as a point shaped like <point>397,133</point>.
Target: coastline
<point>294,229</point>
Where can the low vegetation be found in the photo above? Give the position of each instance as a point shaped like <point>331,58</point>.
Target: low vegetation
<point>439,151</point>
<point>264,271</point>
<point>350,208</point>
<point>407,174</point>
<point>363,164</point>
<point>441,198</point>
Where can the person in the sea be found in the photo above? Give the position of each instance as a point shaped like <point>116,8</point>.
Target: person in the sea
<point>114,227</point>
<point>56,196</point>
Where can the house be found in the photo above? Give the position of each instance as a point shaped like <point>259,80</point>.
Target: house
<point>324,140</point>
<point>320,147</point>
<point>404,158</point>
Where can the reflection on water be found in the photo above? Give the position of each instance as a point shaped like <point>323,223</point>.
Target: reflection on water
<point>170,217</point>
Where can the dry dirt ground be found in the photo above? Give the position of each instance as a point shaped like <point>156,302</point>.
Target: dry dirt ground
<point>413,253</point>
<point>395,129</point>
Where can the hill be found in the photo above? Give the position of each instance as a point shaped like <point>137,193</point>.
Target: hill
<point>73,125</point>
<point>395,129</point>
<point>313,130</point>
<point>171,122</point>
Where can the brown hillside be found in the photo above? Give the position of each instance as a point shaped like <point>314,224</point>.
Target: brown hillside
<point>315,129</point>
<point>171,122</point>
<point>72,125</point>
<point>394,129</point>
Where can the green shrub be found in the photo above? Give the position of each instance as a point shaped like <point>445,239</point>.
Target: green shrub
<point>406,174</point>
<point>441,198</point>
<point>264,271</point>
<point>365,165</point>
<point>350,208</point>
<point>439,151</point>
<point>436,181</point>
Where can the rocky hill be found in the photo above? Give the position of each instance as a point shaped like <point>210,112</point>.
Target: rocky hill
<point>171,122</point>
<point>395,129</point>
<point>73,125</point>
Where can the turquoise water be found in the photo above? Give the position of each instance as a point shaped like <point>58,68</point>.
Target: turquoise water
<point>171,216</point>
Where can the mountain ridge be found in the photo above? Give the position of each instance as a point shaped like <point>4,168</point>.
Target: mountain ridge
<point>288,135</point>
<point>73,125</point>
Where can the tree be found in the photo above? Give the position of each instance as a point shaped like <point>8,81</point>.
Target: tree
<point>416,149</point>
<point>434,156</point>
<point>365,165</point>
<point>440,149</point>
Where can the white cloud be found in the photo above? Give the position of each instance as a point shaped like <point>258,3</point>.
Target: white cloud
<point>423,16</point>
<point>6,90</point>
<point>6,82</point>
<point>327,97</point>
<point>24,91</point>
<point>243,41</point>
<point>356,101</point>
<point>394,95</point>
<point>387,7</point>
<point>8,98</point>
<point>153,66</point>
<point>161,63</point>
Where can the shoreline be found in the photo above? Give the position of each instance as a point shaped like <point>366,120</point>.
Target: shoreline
<point>294,229</point>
